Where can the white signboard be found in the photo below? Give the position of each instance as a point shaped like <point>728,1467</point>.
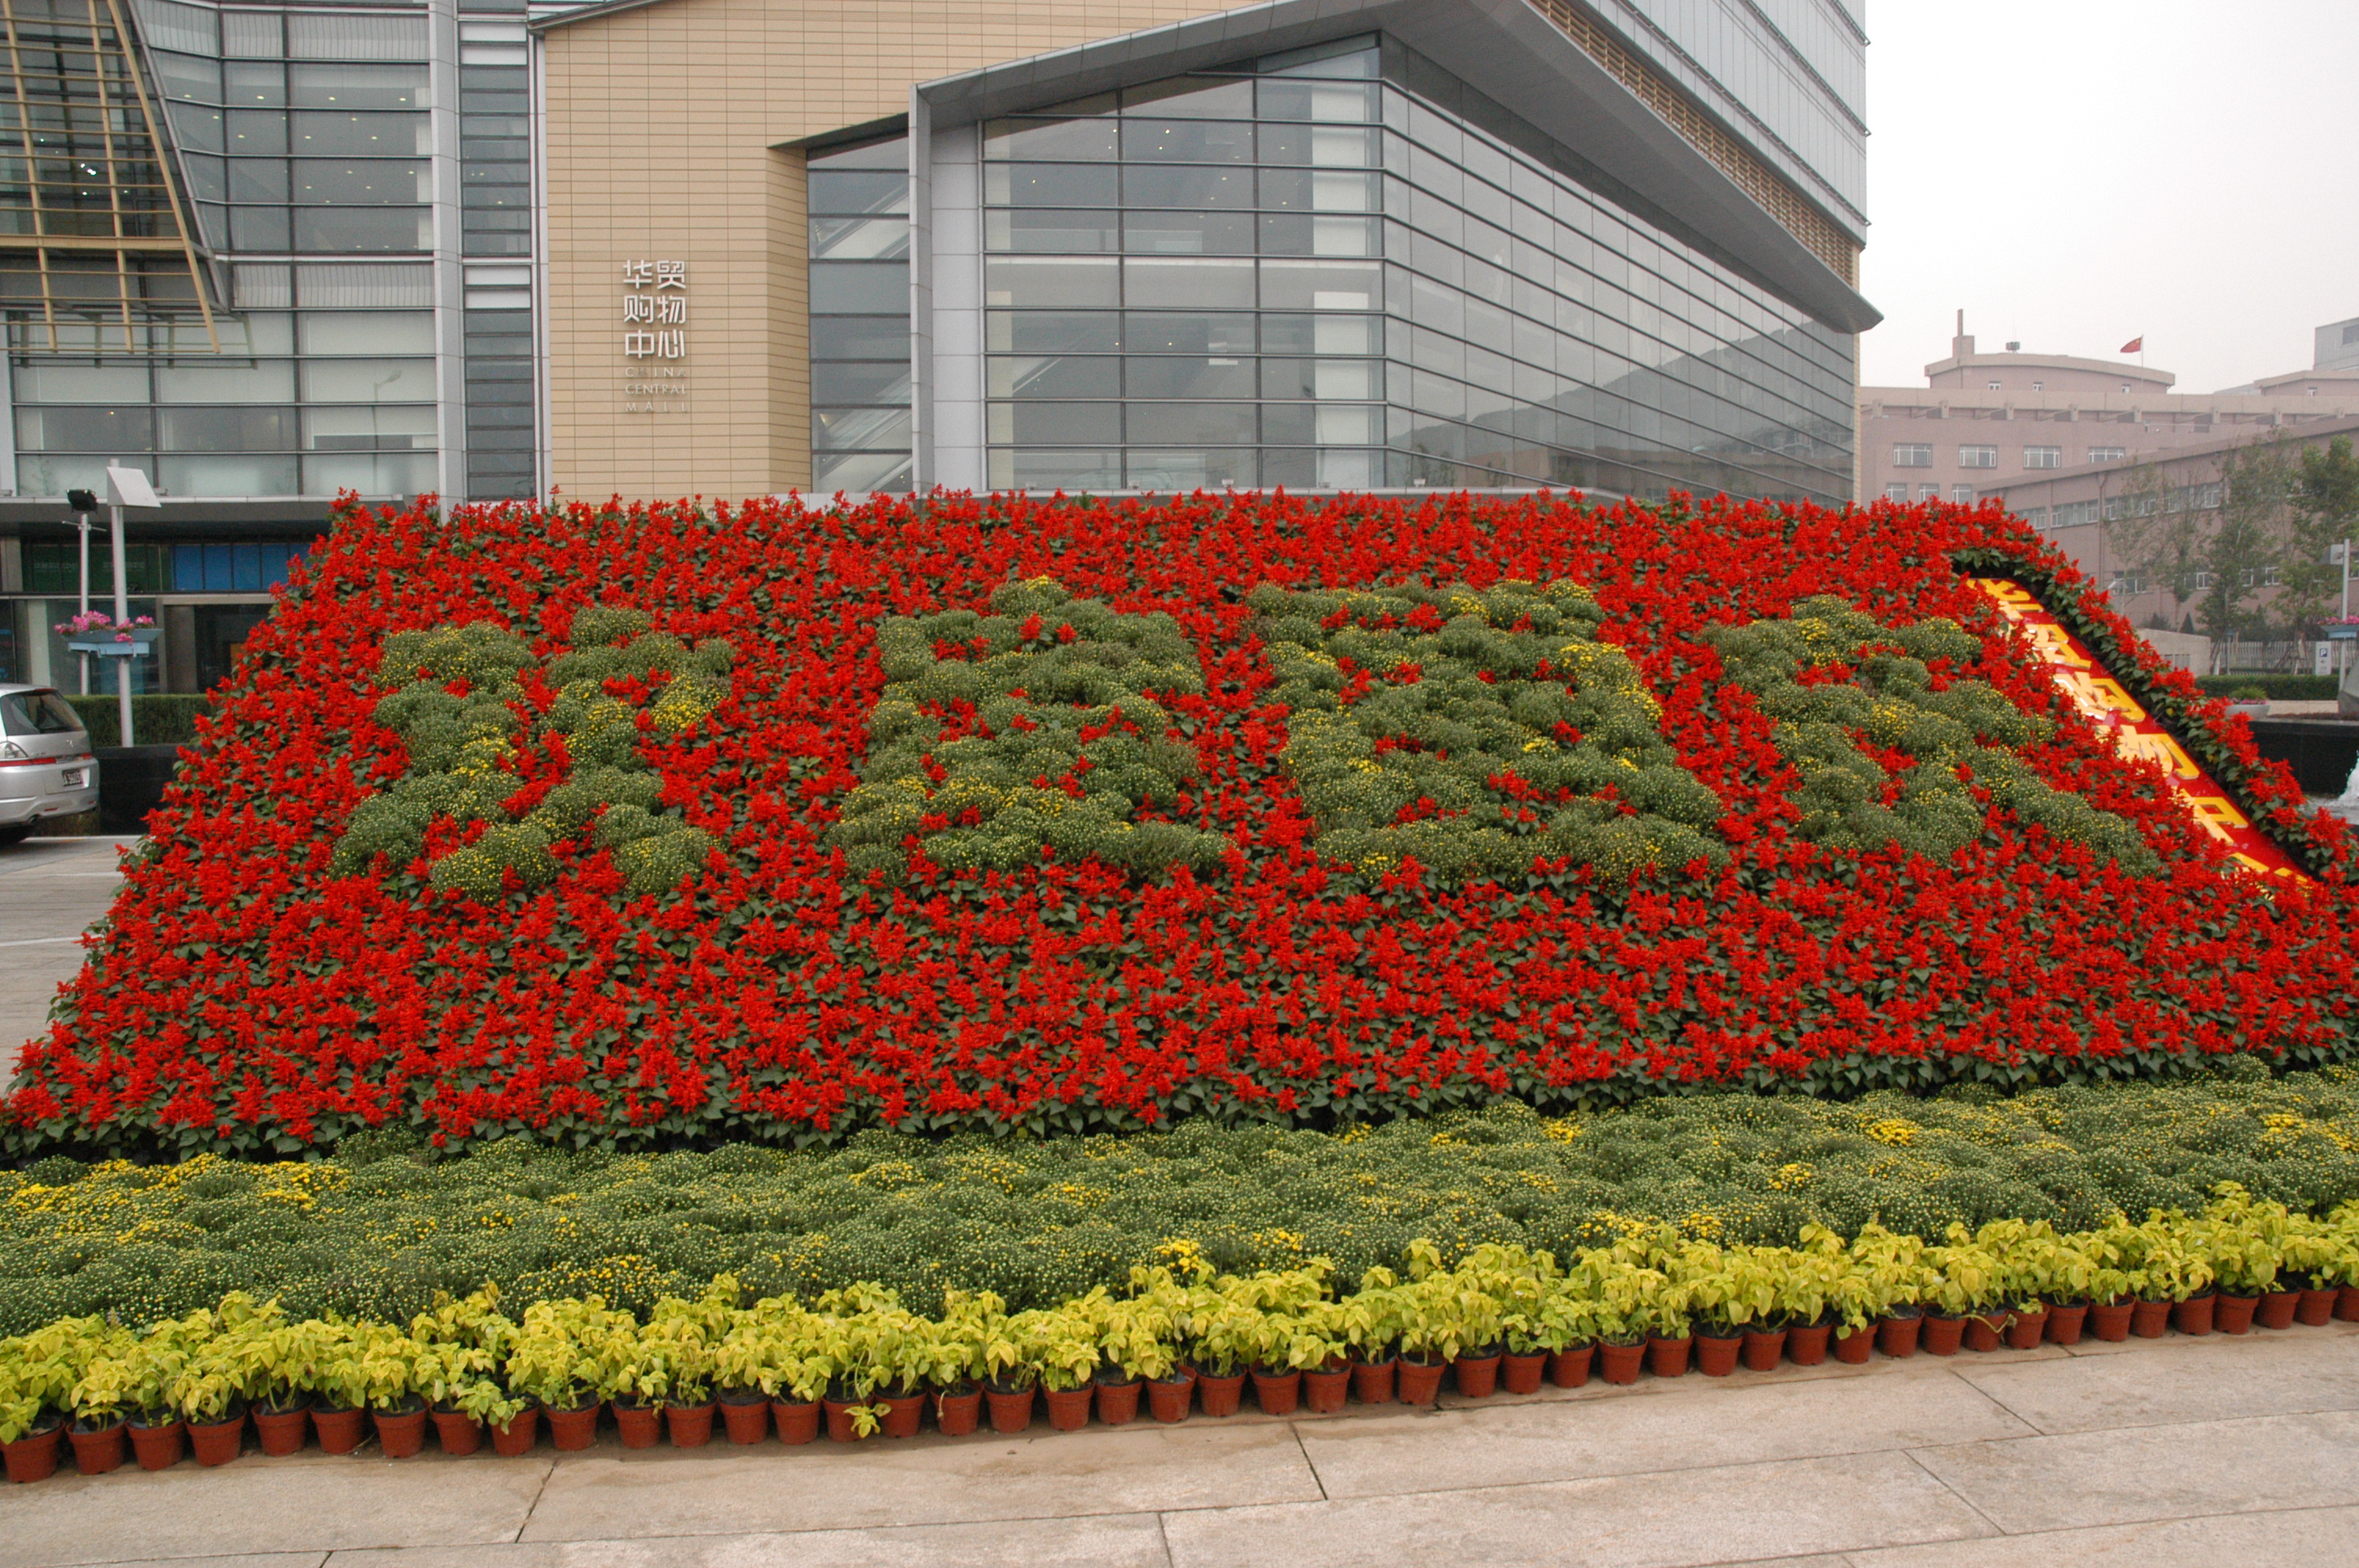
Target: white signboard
<point>655,337</point>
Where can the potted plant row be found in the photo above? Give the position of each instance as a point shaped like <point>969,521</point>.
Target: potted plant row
<point>856,1363</point>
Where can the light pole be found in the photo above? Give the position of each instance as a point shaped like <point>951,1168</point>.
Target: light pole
<point>125,486</point>
<point>83,503</point>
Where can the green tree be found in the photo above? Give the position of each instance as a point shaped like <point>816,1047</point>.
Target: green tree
<point>2324,495</point>
<point>2157,534</point>
<point>2251,538</point>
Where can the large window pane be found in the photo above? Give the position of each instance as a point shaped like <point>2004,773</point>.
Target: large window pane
<point>848,287</point>
<point>861,428</point>
<point>321,86</point>
<point>1052,185</point>
<point>862,337</point>
<point>228,381</point>
<point>367,332</point>
<point>229,476</point>
<point>858,191</point>
<point>1188,471</point>
<point>364,231</point>
<point>1208,284</point>
<point>1160,332</point>
<point>1062,140</point>
<point>115,432</point>
<point>859,239</point>
<point>1020,282</point>
<point>1052,331</point>
<point>226,429</point>
<point>1188,233</point>
<point>1178,376</point>
<point>1158,140</point>
<point>368,381</point>
<point>1054,375</point>
<point>362,182</point>
<point>1053,232</point>
<point>1069,470</point>
<point>878,382</point>
<point>325,134</point>
<point>1187,186</point>
<point>1206,424</point>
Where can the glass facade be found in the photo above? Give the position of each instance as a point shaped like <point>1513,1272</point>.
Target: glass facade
<point>1351,269</point>
<point>305,135</point>
<point>859,203</point>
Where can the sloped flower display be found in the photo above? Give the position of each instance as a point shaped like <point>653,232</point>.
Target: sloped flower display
<point>659,826</point>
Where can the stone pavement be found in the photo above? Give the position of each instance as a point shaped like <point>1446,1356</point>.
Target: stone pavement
<point>50,891</point>
<point>2153,1454</point>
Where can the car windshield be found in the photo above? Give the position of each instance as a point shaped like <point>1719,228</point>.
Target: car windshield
<point>36,713</point>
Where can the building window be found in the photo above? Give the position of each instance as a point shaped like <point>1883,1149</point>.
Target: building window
<point>2128,584</point>
<point>2039,386</point>
<point>2037,516</point>
<point>1912,455</point>
<point>1898,492</point>
<point>1993,386</point>
<point>2108,454</point>
<point>2043,457</point>
<point>1964,494</point>
<point>1322,274</point>
<point>859,205</point>
<point>1978,457</point>
<point>1928,493</point>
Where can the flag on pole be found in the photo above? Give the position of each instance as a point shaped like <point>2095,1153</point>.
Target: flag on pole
<point>2135,345</point>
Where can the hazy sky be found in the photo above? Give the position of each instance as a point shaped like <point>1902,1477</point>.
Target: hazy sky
<point>2077,172</point>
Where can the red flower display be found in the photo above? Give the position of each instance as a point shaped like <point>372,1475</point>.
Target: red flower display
<point>249,995</point>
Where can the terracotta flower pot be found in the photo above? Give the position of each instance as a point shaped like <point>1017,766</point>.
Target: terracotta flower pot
<point>1854,1345</point>
<point>2065,1323</point>
<point>218,1442</point>
<point>1620,1363</point>
<point>515,1437</point>
<point>2109,1321</point>
<point>1942,1336</point>
<point>1478,1375</point>
<point>458,1431</point>
<point>1763,1349</point>
<point>1372,1382</point>
<point>575,1430</point>
<point>1569,1368</point>
<point>400,1434</point>
<point>339,1431</point>
<point>1168,1399</point>
<point>1068,1409</point>
<point>691,1426</point>
<point>1808,1344</point>
<point>1420,1381</point>
<point>2316,1307</point>
<point>957,1411</point>
<point>1898,1335</point>
<point>1013,1411</point>
<point>2148,1319</point>
<point>1118,1402</point>
<point>1985,1330</point>
<point>1323,1389</point>
<point>2194,1315</point>
<point>281,1431</point>
<point>903,1410</point>
<point>2233,1314</point>
<point>34,1456</point>
<point>746,1420</point>
<point>1668,1358</point>
<point>2027,1329</point>
<point>637,1425</point>
<point>97,1452</point>
<point>1715,1354</point>
<point>159,1448</point>
<point>2346,1304</point>
<point>798,1421</point>
<point>1278,1393</point>
<point>839,1427</point>
<point>1221,1395</point>
<point>2277,1308</point>
<point>1523,1374</point>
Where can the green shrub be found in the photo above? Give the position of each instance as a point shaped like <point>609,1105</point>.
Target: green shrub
<point>2277,689</point>
<point>158,719</point>
<point>378,1230</point>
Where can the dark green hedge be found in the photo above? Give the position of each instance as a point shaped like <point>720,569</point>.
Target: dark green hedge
<point>378,1230</point>
<point>157,719</point>
<point>2281,688</point>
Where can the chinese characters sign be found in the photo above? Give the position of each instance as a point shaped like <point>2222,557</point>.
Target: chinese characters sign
<point>2104,700</point>
<point>655,335</point>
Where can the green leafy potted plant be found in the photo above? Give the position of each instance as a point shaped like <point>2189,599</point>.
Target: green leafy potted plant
<point>959,1366</point>
<point>38,1374</point>
<point>1010,1380</point>
<point>102,1399</point>
<point>158,1435</point>
<point>1225,1329</point>
<point>339,1386</point>
<point>1369,1319</point>
<point>283,1360</point>
<point>1890,1275</point>
<point>1064,1356</point>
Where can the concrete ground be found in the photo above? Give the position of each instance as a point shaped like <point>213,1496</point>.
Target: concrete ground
<point>50,891</point>
<point>2156,1454</point>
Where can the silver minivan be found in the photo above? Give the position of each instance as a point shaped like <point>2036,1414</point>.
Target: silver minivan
<point>47,768</point>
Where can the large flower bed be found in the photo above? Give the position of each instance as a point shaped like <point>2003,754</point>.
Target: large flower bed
<point>1141,813</point>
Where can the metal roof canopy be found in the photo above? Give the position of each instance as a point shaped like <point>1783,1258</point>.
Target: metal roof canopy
<point>1503,49</point>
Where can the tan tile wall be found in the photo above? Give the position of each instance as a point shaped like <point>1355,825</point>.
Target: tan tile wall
<point>661,126</point>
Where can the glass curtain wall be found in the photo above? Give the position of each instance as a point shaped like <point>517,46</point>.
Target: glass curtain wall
<point>304,135</point>
<point>1351,269</point>
<point>859,204</point>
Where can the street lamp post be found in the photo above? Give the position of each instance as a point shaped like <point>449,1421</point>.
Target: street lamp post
<point>125,486</point>
<point>83,503</point>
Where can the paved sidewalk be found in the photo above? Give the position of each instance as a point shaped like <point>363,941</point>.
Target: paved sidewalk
<point>2197,1452</point>
<point>50,891</point>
